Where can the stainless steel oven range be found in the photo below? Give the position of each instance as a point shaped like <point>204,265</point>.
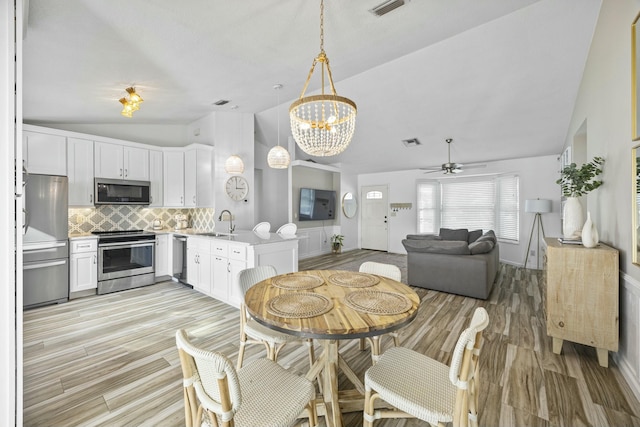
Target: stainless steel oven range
<point>126,260</point>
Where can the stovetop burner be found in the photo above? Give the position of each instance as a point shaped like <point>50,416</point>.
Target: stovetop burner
<point>114,236</point>
<point>117,232</point>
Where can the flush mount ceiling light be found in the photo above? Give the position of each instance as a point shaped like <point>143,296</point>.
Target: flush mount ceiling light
<point>278,157</point>
<point>234,165</point>
<point>132,103</point>
<point>322,125</point>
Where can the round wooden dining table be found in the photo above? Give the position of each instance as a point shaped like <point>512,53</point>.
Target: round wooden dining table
<point>329,306</point>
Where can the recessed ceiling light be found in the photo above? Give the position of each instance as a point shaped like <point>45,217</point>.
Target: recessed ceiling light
<point>234,107</point>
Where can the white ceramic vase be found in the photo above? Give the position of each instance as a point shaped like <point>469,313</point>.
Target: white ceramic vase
<point>572,218</point>
<point>589,233</point>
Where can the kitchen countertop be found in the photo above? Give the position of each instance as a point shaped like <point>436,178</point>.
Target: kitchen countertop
<point>247,237</point>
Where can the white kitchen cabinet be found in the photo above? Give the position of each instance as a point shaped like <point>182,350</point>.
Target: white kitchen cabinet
<point>155,178</point>
<point>163,265</point>
<point>173,178</point>
<point>121,162</point>
<point>199,264</point>
<point>229,259</point>
<point>80,171</point>
<point>198,172</point>
<point>44,154</point>
<point>83,266</point>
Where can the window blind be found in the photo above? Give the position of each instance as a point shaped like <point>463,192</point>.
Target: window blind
<point>488,203</point>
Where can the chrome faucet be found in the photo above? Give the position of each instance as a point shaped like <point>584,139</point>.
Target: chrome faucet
<point>231,227</point>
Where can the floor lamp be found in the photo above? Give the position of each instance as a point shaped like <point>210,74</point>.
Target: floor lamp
<point>537,206</point>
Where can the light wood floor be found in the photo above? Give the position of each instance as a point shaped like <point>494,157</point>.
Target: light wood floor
<point>110,360</point>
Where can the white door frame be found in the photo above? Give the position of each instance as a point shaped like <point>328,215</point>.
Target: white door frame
<point>380,241</point>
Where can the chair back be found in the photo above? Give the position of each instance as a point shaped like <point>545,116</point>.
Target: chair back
<point>288,229</point>
<point>387,270</point>
<point>262,227</point>
<point>213,377</point>
<point>250,276</point>
<point>463,372</point>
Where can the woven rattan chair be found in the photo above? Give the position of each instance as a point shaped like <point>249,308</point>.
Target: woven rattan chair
<point>262,394</point>
<point>262,227</point>
<point>392,272</point>
<point>252,332</point>
<point>423,388</point>
<point>288,229</point>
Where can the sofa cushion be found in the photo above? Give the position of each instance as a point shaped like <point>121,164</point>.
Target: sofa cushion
<point>437,246</point>
<point>481,247</point>
<point>423,237</point>
<point>474,235</point>
<point>461,234</point>
<point>490,236</point>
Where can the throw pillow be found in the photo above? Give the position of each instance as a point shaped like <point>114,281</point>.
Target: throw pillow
<point>481,247</point>
<point>474,235</point>
<point>461,234</point>
<point>437,246</point>
<point>423,237</point>
<point>490,236</point>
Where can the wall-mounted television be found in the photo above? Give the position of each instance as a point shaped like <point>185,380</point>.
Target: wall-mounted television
<point>316,205</point>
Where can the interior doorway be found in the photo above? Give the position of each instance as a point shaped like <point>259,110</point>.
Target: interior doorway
<point>375,217</point>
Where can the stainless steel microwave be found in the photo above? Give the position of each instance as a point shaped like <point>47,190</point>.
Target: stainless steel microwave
<point>121,192</point>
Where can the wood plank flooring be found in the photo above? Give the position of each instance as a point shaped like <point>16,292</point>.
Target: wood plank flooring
<point>110,360</point>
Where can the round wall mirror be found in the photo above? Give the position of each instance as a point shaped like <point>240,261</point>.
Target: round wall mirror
<point>349,205</point>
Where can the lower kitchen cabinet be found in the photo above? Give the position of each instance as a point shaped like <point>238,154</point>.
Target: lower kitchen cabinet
<point>83,266</point>
<point>199,264</point>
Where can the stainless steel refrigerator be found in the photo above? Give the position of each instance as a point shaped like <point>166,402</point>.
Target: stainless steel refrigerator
<point>45,246</point>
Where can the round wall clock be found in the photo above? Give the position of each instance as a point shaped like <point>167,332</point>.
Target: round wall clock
<point>237,188</point>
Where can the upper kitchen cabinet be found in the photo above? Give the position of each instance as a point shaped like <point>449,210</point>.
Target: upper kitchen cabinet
<point>121,162</point>
<point>198,177</point>
<point>155,177</point>
<point>44,154</point>
<point>80,171</point>
<point>173,178</point>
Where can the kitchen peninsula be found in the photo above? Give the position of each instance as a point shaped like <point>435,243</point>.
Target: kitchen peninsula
<point>214,259</point>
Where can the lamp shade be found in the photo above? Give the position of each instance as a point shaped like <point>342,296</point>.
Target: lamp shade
<point>537,205</point>
<point>234,165</point>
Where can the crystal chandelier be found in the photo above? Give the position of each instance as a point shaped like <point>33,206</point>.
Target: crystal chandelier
<point>322,125</point>
<point>278,157</point>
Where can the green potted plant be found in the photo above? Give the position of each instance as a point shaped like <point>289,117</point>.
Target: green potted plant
<point>337,240</point>
<point>575,182</point>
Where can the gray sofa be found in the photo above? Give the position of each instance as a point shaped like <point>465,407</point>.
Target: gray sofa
<point>455,261</point>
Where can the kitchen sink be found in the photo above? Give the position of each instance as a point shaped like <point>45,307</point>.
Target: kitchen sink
<point>215,234</point>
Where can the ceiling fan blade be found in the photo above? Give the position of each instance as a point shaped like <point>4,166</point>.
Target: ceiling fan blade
<point>434,170</point>
<point>475,166</point>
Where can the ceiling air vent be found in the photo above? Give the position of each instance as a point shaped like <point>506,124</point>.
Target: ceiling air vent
<point>413,142</point>
<point>221,102</point>
<point>387,6</point>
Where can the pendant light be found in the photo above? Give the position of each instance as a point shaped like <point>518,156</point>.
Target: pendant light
<point>234,165</point>
<point>322,125</point>
<point>278,157</point>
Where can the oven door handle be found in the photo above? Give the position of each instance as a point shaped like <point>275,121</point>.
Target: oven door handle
<point>127,244</point>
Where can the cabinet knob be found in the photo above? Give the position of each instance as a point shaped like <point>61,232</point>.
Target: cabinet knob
<point>120,172</point>
<point>126,173</point>
<point>90,198</point>
<point>561,324</point>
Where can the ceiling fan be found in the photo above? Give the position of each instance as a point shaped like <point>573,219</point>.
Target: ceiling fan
<point>449,167</point>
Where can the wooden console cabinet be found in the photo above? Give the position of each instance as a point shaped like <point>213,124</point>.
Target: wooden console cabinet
<point>582,296</point>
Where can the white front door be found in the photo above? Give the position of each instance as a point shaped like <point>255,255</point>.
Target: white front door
<point>375,211</point>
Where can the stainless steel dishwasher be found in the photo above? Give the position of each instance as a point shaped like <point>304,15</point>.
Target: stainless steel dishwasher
<point>180,259</point>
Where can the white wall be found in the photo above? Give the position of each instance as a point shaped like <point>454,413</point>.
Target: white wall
<point>230,133</point>
<point>275,187</point>
<point>349,227</point>
<point>604,104</point>
<point>537,180</point>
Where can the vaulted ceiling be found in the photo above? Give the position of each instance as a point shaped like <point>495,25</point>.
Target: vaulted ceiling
<point>500,77</point>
